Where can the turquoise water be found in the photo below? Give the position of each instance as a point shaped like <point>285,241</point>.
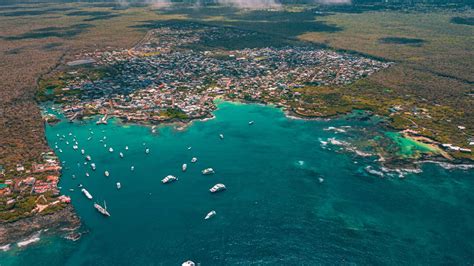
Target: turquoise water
<point>275,209</point>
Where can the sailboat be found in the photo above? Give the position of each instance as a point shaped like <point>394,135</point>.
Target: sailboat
<point>102,210</point>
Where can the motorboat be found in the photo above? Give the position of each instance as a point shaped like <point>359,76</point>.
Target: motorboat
<point>194,159</point>
<point>184,167</point>
<point>208,171</point>
<point>86,193</point>
<point>106,173</point>
<point>119,185</point>
<point>169,179</point>
<point>210,215</point>
<point>217,188</point>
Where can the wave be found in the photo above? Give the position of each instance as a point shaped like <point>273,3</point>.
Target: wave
<point>5,247</point>
<point>449,166</point>
<point>34,238</point>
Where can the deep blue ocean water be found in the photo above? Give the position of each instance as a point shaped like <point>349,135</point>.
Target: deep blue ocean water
<point>275,209</point>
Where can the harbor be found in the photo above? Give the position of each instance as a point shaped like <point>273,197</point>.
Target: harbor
<point>321,191</point>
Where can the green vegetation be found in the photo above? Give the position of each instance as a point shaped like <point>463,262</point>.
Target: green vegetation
<point>174,114</point>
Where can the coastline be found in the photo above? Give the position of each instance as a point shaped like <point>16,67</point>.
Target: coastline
<point>63,222</point>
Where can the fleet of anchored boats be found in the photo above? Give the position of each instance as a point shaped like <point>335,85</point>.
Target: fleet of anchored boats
<point>167,179</point>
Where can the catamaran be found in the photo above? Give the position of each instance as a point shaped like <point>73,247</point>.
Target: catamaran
<point>217,188</point>
<point>86,193</point>
<point>208,171</point>
<point>102,210</point>
<point>169,179</point>
<point>184,167</point>
<point>210,215</point>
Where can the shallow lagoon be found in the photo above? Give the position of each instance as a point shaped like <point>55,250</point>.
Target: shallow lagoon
<point>275,209</point>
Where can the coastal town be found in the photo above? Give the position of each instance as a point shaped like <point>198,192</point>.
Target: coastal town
<point>161,79</point>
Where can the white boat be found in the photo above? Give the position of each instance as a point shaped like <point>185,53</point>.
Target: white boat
<point>188,263</point>
<point>321,180</point>
<point>126,148</point>
<point>210,215</point>
<point>194,159</point>
<point>132,168</point>
<point>67,142</point>
<point>184,167</point>
<point>93,166</point>
<point>189,147</point>
<point>121,155</point>
<point>105,145</point>
<point>86,193</point>
<point>89,138</point>
<point>83,151</point>
<point>208,171</point>
<point>87,174</point>
<point>217,188</point>
<point>251,122</point>
<point>147,151</point>
<point>102,210</point>
<point>111,149</point>
<point>221,136</point>
<point>88,157</point>
<point>169,179</point>
<point>119,185</point>
<point>106,173</point>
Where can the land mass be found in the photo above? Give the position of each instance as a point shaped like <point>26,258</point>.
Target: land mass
<point>416,74</point>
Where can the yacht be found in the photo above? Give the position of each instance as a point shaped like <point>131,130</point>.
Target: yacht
<point>184,167</point>
<point>221,136</point>
<point>169,179</point>
<point>106,173</point>
<point>119,185</point>
<point>251,123</point>
<point>194,159</point>
<point>121,155</point>
<point>210,215</point>
<point>217,188</point>
<point>86,193</point>
<point>111,149</point>
<point>93,166</point>
<point>188,263</point>
<point>208,171</point>
<point>102,210</point>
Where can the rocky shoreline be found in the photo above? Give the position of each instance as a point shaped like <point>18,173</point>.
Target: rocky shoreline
<point>63,222</point>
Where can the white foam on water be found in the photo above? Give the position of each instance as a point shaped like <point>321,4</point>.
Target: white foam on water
<point>28,241</point>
